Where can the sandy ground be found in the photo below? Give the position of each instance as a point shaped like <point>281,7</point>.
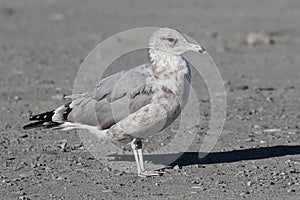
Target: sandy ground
<point>42,44</point>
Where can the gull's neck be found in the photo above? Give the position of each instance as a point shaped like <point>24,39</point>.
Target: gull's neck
<point>165,62</point>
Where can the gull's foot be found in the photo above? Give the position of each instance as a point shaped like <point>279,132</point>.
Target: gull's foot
<point>147,174</point>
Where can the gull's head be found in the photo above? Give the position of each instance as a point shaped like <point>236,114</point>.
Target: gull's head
<point>173,42</point>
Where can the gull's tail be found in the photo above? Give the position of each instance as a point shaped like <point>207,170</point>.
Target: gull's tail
<point>50,119</point>
<point>58,119</point>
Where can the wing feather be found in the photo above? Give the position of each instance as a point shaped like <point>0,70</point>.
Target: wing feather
<point>113,99</point>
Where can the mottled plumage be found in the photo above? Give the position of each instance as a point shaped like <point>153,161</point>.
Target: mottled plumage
<point>132,104</point>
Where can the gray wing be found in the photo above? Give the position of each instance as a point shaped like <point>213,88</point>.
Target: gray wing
<point>114,98</point>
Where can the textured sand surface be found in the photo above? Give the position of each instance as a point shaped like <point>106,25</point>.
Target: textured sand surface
<point>42,44</point>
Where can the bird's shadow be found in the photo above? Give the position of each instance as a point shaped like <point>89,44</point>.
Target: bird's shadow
<point>192,158</point>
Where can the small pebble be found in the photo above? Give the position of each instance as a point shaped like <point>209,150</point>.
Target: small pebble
<point>197,187</point>
<point>10,158</point>
<point>23,198</point>
<point>254,39</point>
<point>242,194</point>
<point>107,191</point>
<point>290,183</point>
<point>106,169</point>
<point>249,183</point>
<point>120,173</point>
<point>17,98</point>
<point>291,190</point>
<point>282,173</point>
<point>63,144</point>
<point>176,167</point>
<point>256,126</point>
<point>270,99</point>
<point>242,87</point>
<point>272,130</point>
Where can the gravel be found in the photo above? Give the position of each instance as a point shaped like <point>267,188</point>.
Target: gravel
<point>43,44</point>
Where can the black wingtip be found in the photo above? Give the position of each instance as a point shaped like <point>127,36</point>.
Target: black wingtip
<point>41,124</point>
<point>33,125</point>
<point>44,120</point>
<point>47,116</point>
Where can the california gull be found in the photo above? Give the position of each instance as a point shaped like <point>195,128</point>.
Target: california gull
<point>132,104</point>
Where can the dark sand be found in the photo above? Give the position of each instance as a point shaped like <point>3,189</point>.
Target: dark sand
<point>257,156</point>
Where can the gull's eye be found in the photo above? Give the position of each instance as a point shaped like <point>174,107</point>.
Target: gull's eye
<point>171,39</point>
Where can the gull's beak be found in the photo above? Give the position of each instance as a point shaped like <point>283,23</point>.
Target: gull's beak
<point>197,48</point>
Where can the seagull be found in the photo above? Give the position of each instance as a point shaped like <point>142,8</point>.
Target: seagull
<point>132,104</point>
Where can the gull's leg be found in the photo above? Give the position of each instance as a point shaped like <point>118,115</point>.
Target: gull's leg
<point>144,173</point>
<point>135,153</point>
<point>137,161</point>
<point>141,159</point>
<point>139,147</point>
